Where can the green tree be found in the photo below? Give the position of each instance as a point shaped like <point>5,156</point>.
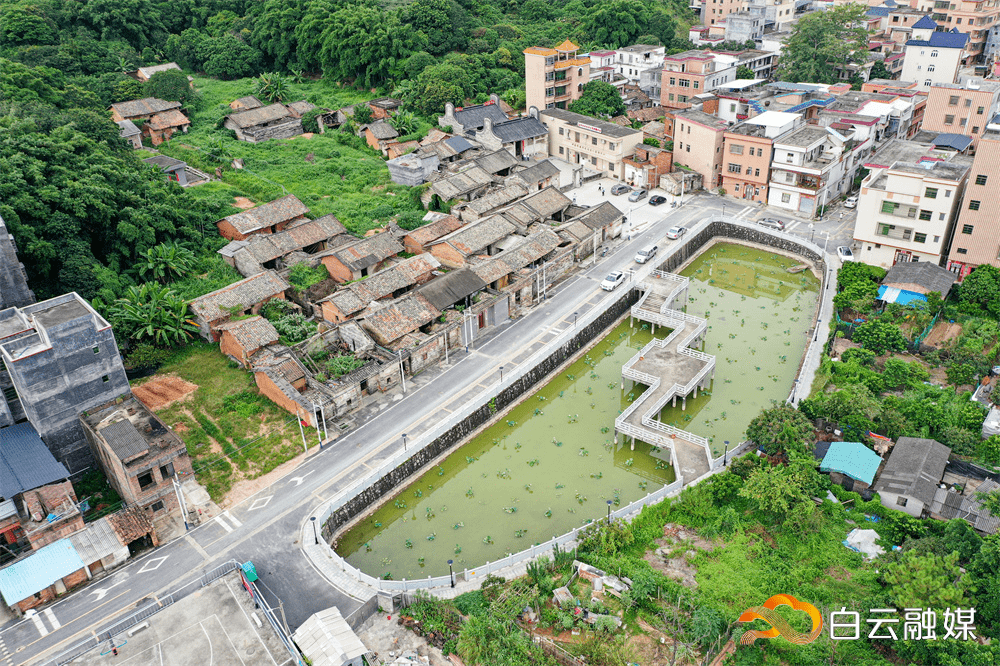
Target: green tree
<point>858,297</point>
<point>229,57</point>
<point>166,262</point>
<point>928,581</point>
<point>616,23</point>
<point>363,114</point>
<point>980,290</point>
<point>880,336</point>
<point>823,42</point>
<point>23,25</point>
<point>651,141</point>
<point>152,313</point>
<point>366,45</point>
<point>780,429</point>
<point>879,71</point>
<point>744,72</point>
<point>778,489</point>
<point>272,87</point>
<point>444,22</point>
<point>403,122</point>
<point>435,87</point>
<point>172,86</point>
<point>599,100</point>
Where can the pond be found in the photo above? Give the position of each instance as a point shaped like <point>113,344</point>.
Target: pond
<point>550,464</point>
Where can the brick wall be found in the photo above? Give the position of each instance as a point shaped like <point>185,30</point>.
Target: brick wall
<point>337,270</point>
<point>448,255</point>
<point>49,593</point>
<point>331,313</point>
<point>230,347</point>
<point>278,397</point>
<point>51,532</point>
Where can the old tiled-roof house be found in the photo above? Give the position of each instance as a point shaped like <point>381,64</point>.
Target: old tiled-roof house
<point>283,379</point>
<point>146,73</point>
<point>539,175</point>
<point>266,218</point>
<point>469,119</point>
<point>274,121</point>
<point>130,133</point>
<point>263,251</point>
<point>361,258</point>
<point>161,126</point>
<point>522,137</point>
<point>245,103</point>
<point>240,340</point>
<point>496,271</point>
<point>379,134</point>
<point>416,241</point>
<point>403,316</point>
<point>141,108</point>
<point>162,118</point>
<point>909,479</point>
<point>300,108</point>
<point>391,282</point>
<point>244,297</point>
<point>489,202</point>
<point>478,238</point>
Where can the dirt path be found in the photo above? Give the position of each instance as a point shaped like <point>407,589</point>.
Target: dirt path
<point>943,331</point>
<point>164,391</point>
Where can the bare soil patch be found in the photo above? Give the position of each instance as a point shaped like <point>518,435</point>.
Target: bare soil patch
<point>942,332</point>
<point>840,345</point>
<point>164,391</point>
<point>245,488</point>
<point>306,135</point>
<point>673,552</point>
<point>242,202</point>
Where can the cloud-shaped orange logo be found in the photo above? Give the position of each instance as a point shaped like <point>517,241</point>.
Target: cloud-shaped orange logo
<point>779,626</point>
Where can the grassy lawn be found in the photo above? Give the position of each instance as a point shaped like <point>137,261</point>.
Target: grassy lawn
<point>232,432</point>
<point>331,173</point>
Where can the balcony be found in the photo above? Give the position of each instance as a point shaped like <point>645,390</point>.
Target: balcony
<point>883,230</point>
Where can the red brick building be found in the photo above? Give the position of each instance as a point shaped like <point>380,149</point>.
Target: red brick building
<point>267,218</point>
<point>240,340</point>
<point>361,258</point>
<point>247,296</point>
<point>416,241</point>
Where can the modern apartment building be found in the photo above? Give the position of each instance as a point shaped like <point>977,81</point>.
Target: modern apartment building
<point>714,11</point>
<point>747,151</point>
<point>691,73</point>
<point>972,17</point>
<point>908,203</point>
<point>698,139</point>
<point>932,57</point>
<point>598,145</point>
<point>554,77</point>
<point>962,109</point>
<point>976,238</point>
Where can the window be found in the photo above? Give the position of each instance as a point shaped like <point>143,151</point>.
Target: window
<point>901,501</point>
<point>953,100</point>
<point>786,198</point>
<point>156,506</point>
<point>671,97</point>
<point>958,21</point>
<point>974,204</point>
<point>756,172</point>
<point>593,140</point>
<point>673,81</point>
<point>884,229</point>
<point>687,148</point>
<point>979,111</point>
<point>962,250</point>
<point>560,150</point>
<point>593,160</point>
<point>752,153</point>
<point>931,193</point>
<point>966,228</point>
<point>937,239</point>
<point>145,480</point>
<point>735,168</point>
<point>934,54</point>
<point>106,379</point>
<point>930,68</point>
<point>737,149</point>
<point>947,194</point>
<point>167,471</point>
<point>562,131</point>
<point>736,187</point>
<point>611,166</point>
<point>889,207</point>
<point>611,146</point>
<point>920,238</point>
<point>926,215</point>
<point>683,98</point>
<point>981,179</point>
<point>949,120</point>
<point>550,92</point>
<point>968,102</point>
<point>927,83</point>
<point>975,129</point>
<point>962,121</point>
<point>696,85</point>
<point>97,350</point>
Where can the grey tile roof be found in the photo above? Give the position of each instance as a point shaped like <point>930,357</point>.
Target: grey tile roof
<point>252,333</point>
<point>479,235</point>
<point>165,119</point>
<point>519,129</point>
<point>301,107</point>
<point>25,462</point>
<point>403,316</point>
<point>471,117</point>
<point>451,288</point>
<point>537,173</point>
<point>245,293</point>
<point>96,541</point>
<point>548,201</point>
<point>368,251</point>
<point>458,144</point>
<point>400,276</point>
<point>925,274</point>
<point>972,509</point>
<point>141,108</point>
<point>266,215</point>
<point>128,128</point>
<point>154,69</point>
<point>434,230</point>
<point>296,236</point>
<point>496,161</point>
<point>600,216</point>
<point>497,198</point>
<point>165,163</point>
<point>387,103</point>
<point>914,468</point>
<point>124,439</point>
<point>259,116</point>
<point>459,184</point>
<point>382,130</point>
<point>246,103</point>
<point>607,129</point>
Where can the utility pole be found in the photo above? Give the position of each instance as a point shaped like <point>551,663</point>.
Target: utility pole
<point>319,435</point>
<point>402,375</point>
<point>302,432</point>
<point>180,501</point>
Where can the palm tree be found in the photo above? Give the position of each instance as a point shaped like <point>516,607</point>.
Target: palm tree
<point>154,313</point>
<point>403,122</point>
<point>272,87</point>
<point>124,64</point>
<point>166,262</point>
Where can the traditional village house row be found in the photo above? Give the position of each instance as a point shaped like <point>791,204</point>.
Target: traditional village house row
<point>240,340</point>
<point>392,282</point>
<point>593,227</point>
<point>131,133</point>
<point>360,258</point>
<point>262,252</point>
<point>139,454</point>
<point>470,119</point>
<point>455,249</point>
<point>247,296</point>
<point>254,125</point>
<point>544,205</point>
<point>268,218</point>
<point>647,164</point>
<point>284,380</point>
<point>539,176</point>
<point>379,135</point>
<point>441,224</point>
<point>161,119</point>
<point>525,138</point>
<point>146,73</point>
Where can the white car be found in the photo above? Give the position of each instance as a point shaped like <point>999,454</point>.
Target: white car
<point>613,280</point>
<point>851,202</point>
<point>645,254</point>
<point>673,233</point>
<point>845,253</point>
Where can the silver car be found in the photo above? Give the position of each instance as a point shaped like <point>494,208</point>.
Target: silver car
<point>637,195</point>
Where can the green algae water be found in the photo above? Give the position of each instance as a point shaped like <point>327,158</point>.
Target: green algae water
<point>551,464</point>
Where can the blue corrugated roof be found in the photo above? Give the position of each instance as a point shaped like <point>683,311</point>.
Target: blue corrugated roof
<point>942,40</point>
<point>878,11</point>
<point>25,461</point>
<point>957,141</point>
<point>38,571</point>
<point>926,23</point>
<point>812,102</point>
<point>901,296</point>
<point>852,459</point>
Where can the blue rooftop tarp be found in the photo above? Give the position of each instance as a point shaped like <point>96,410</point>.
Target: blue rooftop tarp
<point>901,296</point>
<point>38,571</point>
<point>852,459</point>
<point>25,462</point>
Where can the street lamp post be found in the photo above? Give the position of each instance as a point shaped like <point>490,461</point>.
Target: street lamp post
<point>816,334</point>
<point>725,455</point>
<point>575,316</point>
<point>315,533</point>
<point>609,512</point>
<point>795,386</point>
<point>501,373</point>
<point>451,572</point>
<point>404,442</point>
<point>812,232</point>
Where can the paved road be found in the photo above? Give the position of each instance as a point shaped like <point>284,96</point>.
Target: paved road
<point>265,527</point>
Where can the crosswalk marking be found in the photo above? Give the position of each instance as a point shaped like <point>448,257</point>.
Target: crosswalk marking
<point>793,225</point>
<point>224,524</point>
<point>230,517</point>
<point>37,621</point>
<point>52,619</point>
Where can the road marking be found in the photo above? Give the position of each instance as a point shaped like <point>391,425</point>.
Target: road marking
<point>224,524</point>
<point>52,619</point>
<point>235,522</point>
<point>260,503</point>
<point>793,225</point>
<point>37,621</point>
<point>197,546</point>
<point>153,564</point>
<point>121,578</point>
<point>299,479</point>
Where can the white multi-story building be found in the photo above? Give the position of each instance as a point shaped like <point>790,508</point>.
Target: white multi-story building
<point>908,203</point>
<point>932,57</point>
<point>640,64</point>
<point>809,169</point>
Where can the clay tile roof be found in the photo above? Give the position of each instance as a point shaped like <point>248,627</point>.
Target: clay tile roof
<point>601,216</point>
<point>382,130</point>
<point>496,161</point>
<point>434,230</point>
<point>567,46</point>
<point>473,238</point>
<point>128,128</point>
<point>497,198</point>
<point>548,201</point>
<point>646,115</point>
<point>140,108</point>
<point>539,50</point>
<point>458,184</point>
<point>308,232</point>
<point>266,215</point>
<point>301,107</point>
<point>491,270</point>
<point>402,275</point>
<point>403,316</point>
<point>346,301</point>
<point>252,333</point>
<point>165,119</point>
<point>451,288</point>
<point>259,116</point>
<point>368,251</point>
<point>538,172</point>
<point>246,103</point>
<point>245,293</point>
<point>131,523</point>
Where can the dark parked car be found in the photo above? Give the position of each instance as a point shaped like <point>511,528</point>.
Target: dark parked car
<point>657,200</point>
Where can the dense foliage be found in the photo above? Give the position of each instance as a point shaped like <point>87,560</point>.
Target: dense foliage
<point>824,43</point>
